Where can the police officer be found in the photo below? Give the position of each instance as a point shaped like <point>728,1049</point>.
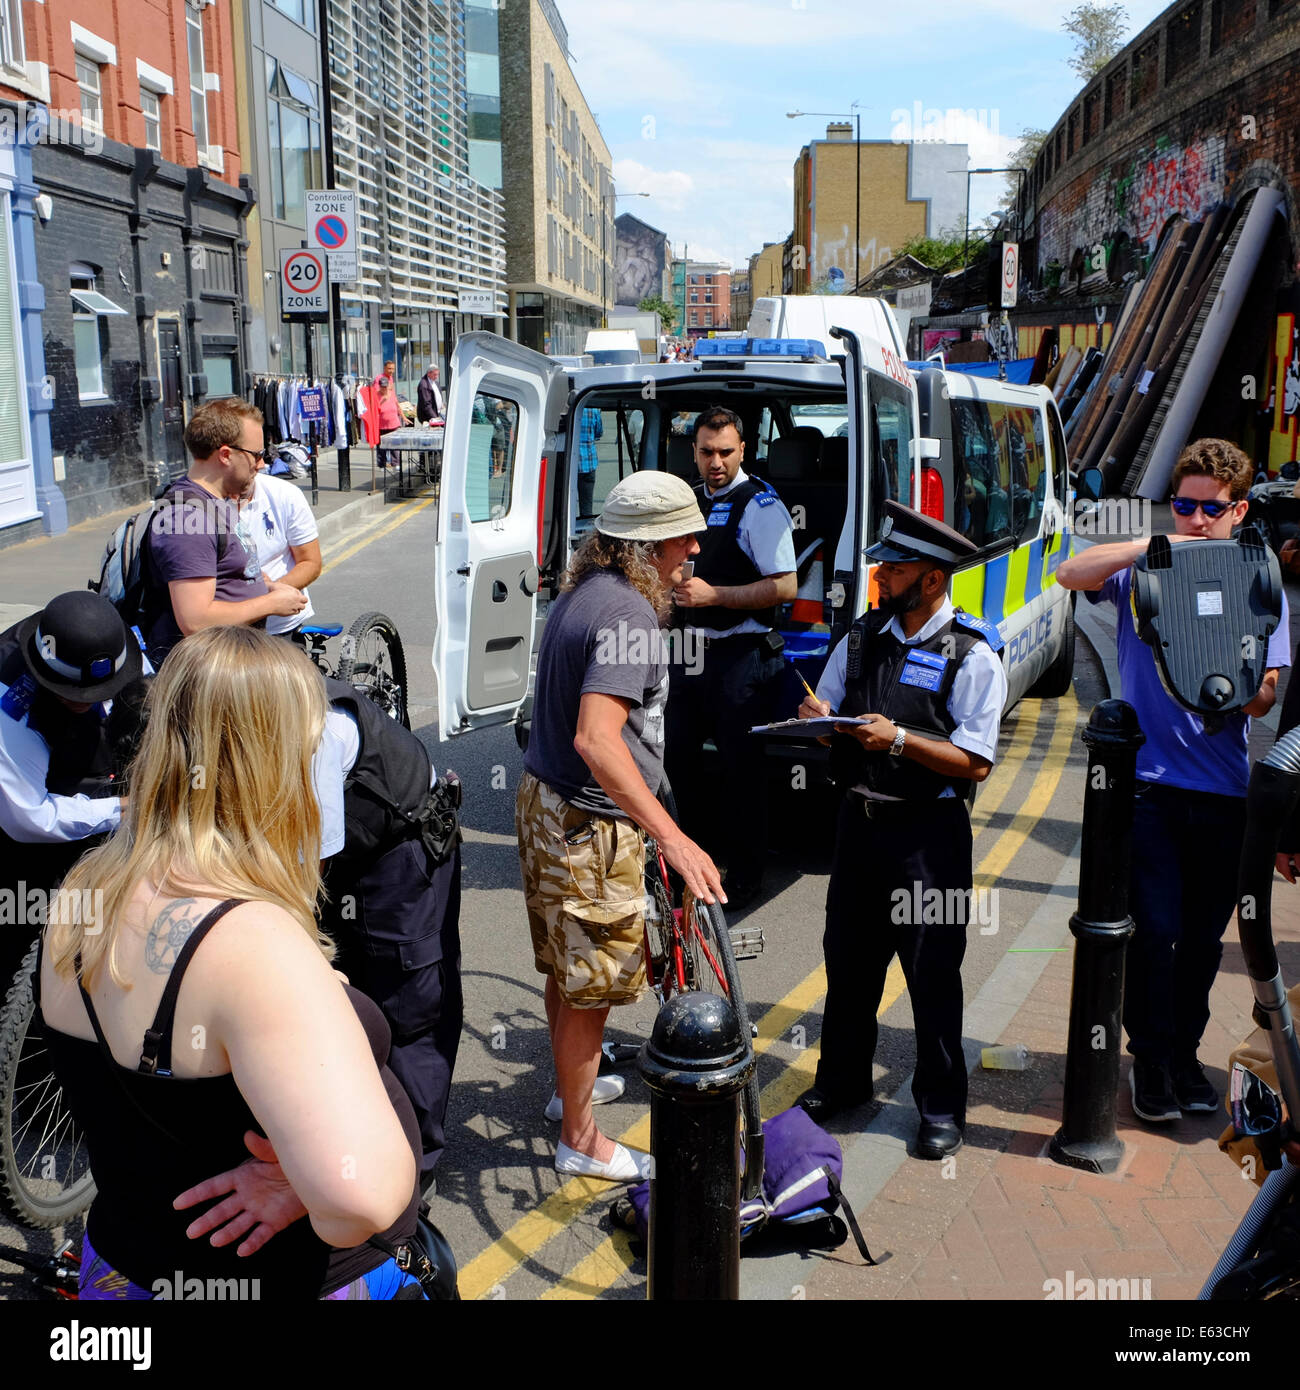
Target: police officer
<point>390,838</point>
<point>726,672</point>
<point>928,685</point>
<point>58,670</point>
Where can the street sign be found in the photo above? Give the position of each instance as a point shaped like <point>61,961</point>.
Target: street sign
<point>332,228</point>
<point>304,290</point>
<point>1010,273</point>
<point>476,302</point>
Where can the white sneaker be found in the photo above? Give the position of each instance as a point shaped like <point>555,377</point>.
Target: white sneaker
<point>606,1088</point>
<point>627,1165</point>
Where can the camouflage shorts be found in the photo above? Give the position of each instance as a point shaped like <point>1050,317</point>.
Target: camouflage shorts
<point>585,897</point>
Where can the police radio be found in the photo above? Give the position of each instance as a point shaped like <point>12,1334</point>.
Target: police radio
<point>1206,608</point>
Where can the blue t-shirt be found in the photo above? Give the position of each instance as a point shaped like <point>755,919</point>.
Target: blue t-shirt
<point>1178,752</point>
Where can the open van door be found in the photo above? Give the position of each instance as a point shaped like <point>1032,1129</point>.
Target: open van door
<point>505,402</point>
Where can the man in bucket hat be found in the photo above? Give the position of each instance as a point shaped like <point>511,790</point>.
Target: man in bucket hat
<point>58,668</point>
<point>589,791</point>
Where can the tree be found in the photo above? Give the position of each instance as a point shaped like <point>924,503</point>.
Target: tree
<point>1022,157</point>
<point>1098,32</point>
<point>654,304</point>
<point>945,251</point>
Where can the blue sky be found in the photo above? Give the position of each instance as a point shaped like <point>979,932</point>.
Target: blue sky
<point>691,95</point>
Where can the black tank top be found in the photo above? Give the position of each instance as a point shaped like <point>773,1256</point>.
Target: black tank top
<point>151,1135</point>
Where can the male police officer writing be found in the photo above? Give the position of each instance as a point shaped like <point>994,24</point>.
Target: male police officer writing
<point>930,685</point>
<point>56,759</point>
<point>744,569</point>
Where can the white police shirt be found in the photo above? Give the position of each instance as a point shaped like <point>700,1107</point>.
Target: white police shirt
<point>979,689</point>
<point>31,814</point>
<point>766,535</point>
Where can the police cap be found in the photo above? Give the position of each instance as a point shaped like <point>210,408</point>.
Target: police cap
<point>906,535</point>
<point>78,647</point>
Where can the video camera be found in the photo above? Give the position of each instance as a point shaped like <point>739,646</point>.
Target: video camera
<point>1206,608</point>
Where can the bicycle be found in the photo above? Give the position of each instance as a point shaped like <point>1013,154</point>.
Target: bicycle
<point>371,658</point>
<point>690,948</point>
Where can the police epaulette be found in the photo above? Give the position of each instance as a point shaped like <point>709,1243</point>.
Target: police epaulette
<point>17,700</point>
<point>980,626</point>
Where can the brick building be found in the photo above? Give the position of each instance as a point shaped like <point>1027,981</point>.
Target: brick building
<point>139,248</point>
<point>1201,108</point>
<point>704,294</point>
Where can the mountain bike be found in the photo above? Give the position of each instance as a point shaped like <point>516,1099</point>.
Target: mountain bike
<point>371,658</point>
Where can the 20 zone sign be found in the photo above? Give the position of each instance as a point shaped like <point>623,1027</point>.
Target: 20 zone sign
<point>304,287</point>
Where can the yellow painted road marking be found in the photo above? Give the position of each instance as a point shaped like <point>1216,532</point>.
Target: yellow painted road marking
<point>607,1263</point>
<point>408,510</point>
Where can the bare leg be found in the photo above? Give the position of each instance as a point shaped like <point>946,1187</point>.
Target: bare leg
<point>552,997</point>
<point>576,1044</point>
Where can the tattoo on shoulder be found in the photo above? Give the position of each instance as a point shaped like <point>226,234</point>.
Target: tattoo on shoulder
<point>170,931</point>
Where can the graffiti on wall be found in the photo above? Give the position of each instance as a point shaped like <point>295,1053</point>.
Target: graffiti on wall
<point>1286,394</point>
<point>1134,203</point>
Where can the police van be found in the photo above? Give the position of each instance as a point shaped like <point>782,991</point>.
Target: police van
<point>984,456</point>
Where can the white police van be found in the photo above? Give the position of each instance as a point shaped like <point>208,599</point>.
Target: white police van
<point>987,457</point>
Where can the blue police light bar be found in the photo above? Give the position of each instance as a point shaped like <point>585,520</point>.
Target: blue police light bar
<point>759,347</point>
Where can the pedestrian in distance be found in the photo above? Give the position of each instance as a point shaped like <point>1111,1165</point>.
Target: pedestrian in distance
<point>588,796</point>
<point>429,405</point>
<point>1191,800</point>
<point>390,413</point>
<point>590,429</point>
<point>926,682</point>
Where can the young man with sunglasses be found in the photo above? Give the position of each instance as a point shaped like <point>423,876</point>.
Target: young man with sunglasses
<point>198,572</point>
<point>1190,813</point>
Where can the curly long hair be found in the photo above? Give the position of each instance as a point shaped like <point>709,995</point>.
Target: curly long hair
<point>634,560</point>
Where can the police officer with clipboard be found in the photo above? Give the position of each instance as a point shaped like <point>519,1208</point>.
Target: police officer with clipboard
<point>928,683</point>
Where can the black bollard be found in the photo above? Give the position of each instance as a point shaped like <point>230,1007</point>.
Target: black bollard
<point>695,1064</point>
<point>1102,927</point>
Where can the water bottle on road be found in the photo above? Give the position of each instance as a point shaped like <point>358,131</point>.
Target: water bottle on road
<point>1013,1057</point>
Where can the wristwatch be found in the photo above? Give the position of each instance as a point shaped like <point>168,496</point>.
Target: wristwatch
<point>896,748</point>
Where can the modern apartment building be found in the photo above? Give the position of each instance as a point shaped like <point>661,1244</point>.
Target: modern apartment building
<point>560,237</point>
<point>138,240</point>
<point>907,190</point>
<point>400,99</point>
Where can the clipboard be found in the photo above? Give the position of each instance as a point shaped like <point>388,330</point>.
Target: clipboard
<point>822,727</point>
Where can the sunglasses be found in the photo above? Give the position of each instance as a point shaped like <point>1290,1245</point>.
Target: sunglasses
<point>1186,506</point>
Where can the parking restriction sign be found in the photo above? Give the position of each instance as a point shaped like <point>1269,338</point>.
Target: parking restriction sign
<point>1010,274</point>
<point>304,289</point>
<point>332,228</point>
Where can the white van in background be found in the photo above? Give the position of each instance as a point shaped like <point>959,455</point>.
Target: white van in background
<point>814,315</point>
<point>613,347</point>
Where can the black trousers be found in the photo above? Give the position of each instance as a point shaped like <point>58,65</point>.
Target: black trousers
<point>733,688</point>
<point>883,866</point>
<point>397,926</point>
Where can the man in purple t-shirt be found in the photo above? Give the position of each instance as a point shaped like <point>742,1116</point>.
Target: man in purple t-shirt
<point>1190,814</point>
<point>198,569</point>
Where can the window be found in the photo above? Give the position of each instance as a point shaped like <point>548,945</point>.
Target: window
<point>12,49</point>
<point>150,106</point>
<point>89,332</point>
<point>198,85</point>
<point>92,104</point>
<point>13,444</point>
<point>490,463</point>
<point>1001,475</point>
<point>891,441</point>
<point>300,11</point>
<point>295,139</point>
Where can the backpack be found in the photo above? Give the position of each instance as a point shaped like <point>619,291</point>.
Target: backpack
<point>801,1192</point>
<point>123,575</point>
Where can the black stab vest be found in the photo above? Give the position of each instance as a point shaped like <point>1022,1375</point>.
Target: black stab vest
<point>721,560</point>
<point>388,785</point>
<point>877,661</point>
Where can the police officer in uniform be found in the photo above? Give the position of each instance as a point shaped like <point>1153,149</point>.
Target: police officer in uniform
<point>726,676</point>
<point>59,669</point>
<point>928,683</point>
<point>390,840</point>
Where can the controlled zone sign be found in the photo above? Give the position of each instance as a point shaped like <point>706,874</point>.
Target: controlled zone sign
<point>332,228</point>
<point>1010,273</point>
<point>304,288</point>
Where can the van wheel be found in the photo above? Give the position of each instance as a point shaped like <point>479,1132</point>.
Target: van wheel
<point>1055,681</point>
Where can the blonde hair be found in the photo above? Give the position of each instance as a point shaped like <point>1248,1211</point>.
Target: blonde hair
<point>634,560</point>
<point>221,794</point>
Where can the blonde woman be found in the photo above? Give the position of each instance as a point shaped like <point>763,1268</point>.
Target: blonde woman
<point>194,1013</point>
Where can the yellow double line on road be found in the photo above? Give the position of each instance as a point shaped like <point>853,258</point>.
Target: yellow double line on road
<point>406,510</point>
<point>606,1264</point>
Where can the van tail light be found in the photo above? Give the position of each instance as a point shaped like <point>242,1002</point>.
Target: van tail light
<point>932,493</point>
<point>541,511</point>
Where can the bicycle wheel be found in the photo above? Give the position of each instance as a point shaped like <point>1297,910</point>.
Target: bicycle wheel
<point>373,660</point>
<point>661,969</point>
<point>45,1177</point>
<point>706,943</point>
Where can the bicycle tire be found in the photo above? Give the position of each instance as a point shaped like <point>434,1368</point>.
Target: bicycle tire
<point>658,928</point>
<point>374,660</point>
<point>34,1126</point>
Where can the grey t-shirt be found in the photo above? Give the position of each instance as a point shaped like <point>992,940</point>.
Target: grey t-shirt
<point>601,638</point>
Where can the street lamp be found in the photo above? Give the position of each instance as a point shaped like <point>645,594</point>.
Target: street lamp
<point>856,116</point>
<point>604,262</point>
<point>969,173</point>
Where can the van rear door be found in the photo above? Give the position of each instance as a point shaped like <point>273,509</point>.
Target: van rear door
<point>505,401</point>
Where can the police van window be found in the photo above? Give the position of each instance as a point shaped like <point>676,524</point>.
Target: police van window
<point>891,440</point>
<point>982,469</point>
<point>678,431</point>
<point>490,459</point>
<point>1018,430</point>
<point>609,443</point>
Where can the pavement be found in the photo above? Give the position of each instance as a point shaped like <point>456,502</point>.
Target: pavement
<point>34,571</point>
